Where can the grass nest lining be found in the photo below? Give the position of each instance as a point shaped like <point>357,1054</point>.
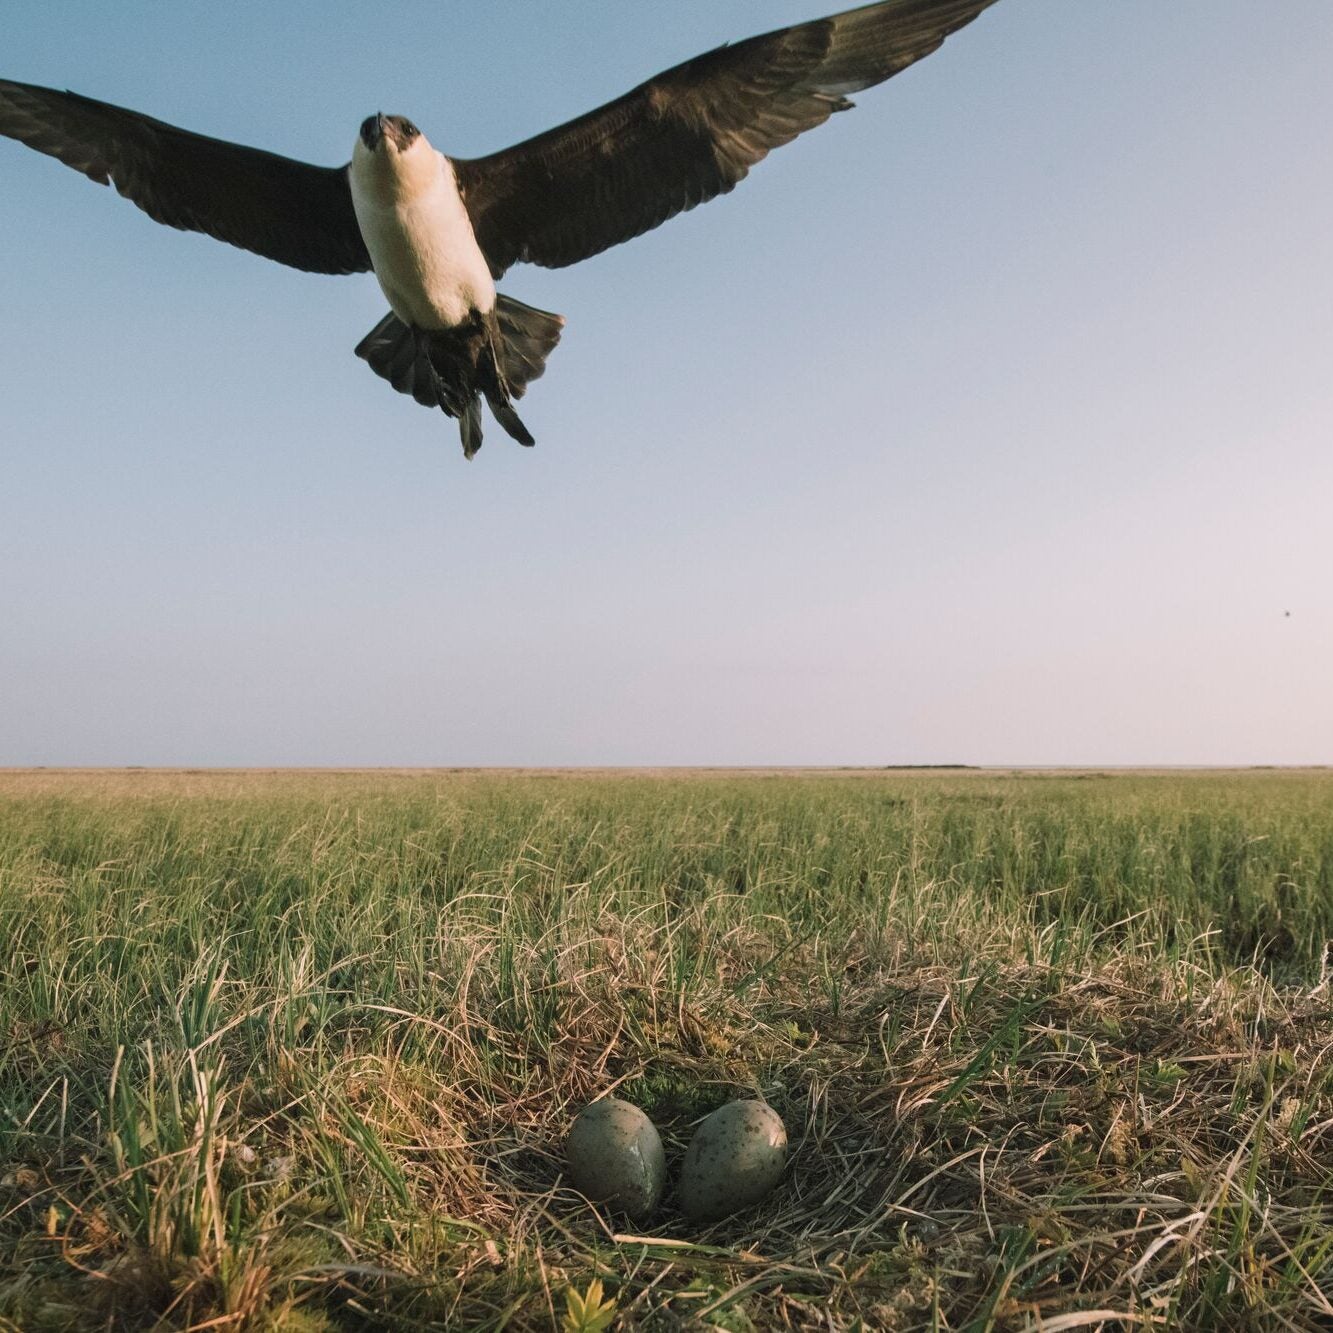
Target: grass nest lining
<point>999,1147</point>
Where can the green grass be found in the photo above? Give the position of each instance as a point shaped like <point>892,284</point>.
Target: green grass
<point>298,1051</point>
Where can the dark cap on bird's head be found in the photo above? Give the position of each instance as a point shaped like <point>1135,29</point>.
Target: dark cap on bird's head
<point>398,130</point>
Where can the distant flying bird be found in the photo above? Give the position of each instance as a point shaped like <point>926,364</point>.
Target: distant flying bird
<point>438,231</point>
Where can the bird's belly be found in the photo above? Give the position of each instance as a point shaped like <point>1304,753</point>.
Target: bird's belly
<point>428,262</point>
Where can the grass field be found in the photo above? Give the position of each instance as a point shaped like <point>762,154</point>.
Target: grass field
<point>299,1051</point>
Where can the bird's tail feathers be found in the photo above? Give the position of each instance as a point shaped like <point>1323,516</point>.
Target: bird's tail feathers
<point>528,336</point>
<point>495,356</point>
<point>469,426</point>
<point>401,355</point>
<point>503,411</point>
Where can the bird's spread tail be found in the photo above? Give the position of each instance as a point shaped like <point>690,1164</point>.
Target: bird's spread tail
<point>527,337</point>
<point>495,356</point>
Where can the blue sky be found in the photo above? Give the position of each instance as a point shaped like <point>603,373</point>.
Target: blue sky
<point>991,423</point>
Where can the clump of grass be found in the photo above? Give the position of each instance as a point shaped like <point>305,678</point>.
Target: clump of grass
<point>284,1051</point>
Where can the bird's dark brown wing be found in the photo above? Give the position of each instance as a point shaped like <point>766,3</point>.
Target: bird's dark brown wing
<point>298,214</point>
<point>690,134</point>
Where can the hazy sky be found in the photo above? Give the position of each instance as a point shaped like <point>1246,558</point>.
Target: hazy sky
<point>991,423</point>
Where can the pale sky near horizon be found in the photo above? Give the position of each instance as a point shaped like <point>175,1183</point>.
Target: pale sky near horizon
<point>990,423</point>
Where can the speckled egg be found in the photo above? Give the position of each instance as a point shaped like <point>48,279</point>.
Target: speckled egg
<point>615,1157</point>
<point>734,1160</point>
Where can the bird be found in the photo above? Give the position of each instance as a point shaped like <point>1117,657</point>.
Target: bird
<point>439,231</point>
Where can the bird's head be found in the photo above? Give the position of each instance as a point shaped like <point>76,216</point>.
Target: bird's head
<point>393,158</point>
<point>389,134</point>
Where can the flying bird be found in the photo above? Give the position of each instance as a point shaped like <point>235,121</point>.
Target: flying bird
<point>438,231</point>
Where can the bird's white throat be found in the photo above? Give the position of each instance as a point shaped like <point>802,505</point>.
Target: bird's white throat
<point>417,230</point>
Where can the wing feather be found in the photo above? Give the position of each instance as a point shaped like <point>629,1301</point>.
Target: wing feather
<point>289,211</point>
<point>689,134</point>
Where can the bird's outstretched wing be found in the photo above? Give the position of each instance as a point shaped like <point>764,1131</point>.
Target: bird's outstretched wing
<point>690,134</point>
<point>290,211</point>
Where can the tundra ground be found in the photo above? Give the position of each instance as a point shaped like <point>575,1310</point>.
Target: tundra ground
<point>298,1051</point>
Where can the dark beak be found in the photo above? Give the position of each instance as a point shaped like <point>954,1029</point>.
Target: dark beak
<point>372,130</point>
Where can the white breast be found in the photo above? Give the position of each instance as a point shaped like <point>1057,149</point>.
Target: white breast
<point>420,239</point>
